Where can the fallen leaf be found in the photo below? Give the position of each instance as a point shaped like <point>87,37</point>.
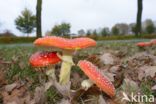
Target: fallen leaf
<point>101,100</point>
<point>109,75</point>
<point>114,69</point>
<point>39,96</point>
<point>146,71</point>
<point>48,84</point>
<point>154,87</point>
<point>10,87</point>
<point>2,78</point>
<point>64,101</point>
<point>14,97</point>
<point>107,59</point>
<point>21,65</point>
<point>63,89</point>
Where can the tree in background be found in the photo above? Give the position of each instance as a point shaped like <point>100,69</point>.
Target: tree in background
<point>95,32</point>
<point>123,28</point>
<point>38,18</point>
<point>26,22</point>
<point>105,31</point>
<point>7,33</point>
<point>139,17</point>
<point>81,32</point>
<point>61,30</point>
<point>149,26</point>
<point>56,30</point>
<point>48,33</point>
<point>132,27</point>
<point>88,33</point>
<point>115,30</point>
<point>65,29</point>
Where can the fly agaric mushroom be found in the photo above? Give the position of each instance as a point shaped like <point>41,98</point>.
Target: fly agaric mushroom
<point>94,75</point>
<point>42,59</point>
<point>144,44</point>
<point>68,46</point>
<point>153,42</point>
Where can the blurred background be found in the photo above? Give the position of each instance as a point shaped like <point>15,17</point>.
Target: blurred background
<point>98,19</point>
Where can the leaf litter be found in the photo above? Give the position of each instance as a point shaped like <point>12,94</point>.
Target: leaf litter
<point>126,70</point>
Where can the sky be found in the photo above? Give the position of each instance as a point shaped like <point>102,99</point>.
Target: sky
<point>81,14</point>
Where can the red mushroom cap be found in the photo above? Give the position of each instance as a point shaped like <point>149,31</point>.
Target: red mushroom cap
<point>144,44</point>
<point>79,43</point>
<point>41,59</point>
<point>63,43</point>
<point>101,81</point>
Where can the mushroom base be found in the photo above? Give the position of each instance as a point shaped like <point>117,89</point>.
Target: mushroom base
<point>51,73</point>
<point>86,84</point>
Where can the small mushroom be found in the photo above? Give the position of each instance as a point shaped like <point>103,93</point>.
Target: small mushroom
<point>45,58</point>
<point>144,44</point>
<point>153,42</point>
<point>68,46</point>
<point>94,75</point>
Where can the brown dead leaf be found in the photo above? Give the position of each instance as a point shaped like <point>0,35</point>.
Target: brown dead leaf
<point>15,97</point>
<point>4,62</point>
<point>109,75</point>
<point>94,59</point>
<point>48,85</point>
<point>21,65</point>
<point>140,59</point>
<point>39,95</point>
<point>114,69</point>
<point>10,87</point>
<point>154,87</point>
<point>2,78</point>
<point>64,101</point>
<point>146,71</point>
<point>107,59</point>
<point>101,100</point>
<point>63,89</point>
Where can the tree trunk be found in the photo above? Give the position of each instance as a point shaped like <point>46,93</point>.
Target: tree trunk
<point>139,17</point>
<point>38,18</point>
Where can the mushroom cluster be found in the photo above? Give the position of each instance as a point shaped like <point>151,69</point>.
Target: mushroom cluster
<point>68,47</point>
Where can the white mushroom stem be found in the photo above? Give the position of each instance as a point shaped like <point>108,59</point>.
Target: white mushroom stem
<point>51,72</point>
<point>86,84</point>
<point>67,63</point>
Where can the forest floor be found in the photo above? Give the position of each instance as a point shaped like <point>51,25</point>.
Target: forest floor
<point>132,70</point>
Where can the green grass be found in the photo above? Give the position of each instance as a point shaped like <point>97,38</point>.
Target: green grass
<point>52,96</point>
<point>10,40</point>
